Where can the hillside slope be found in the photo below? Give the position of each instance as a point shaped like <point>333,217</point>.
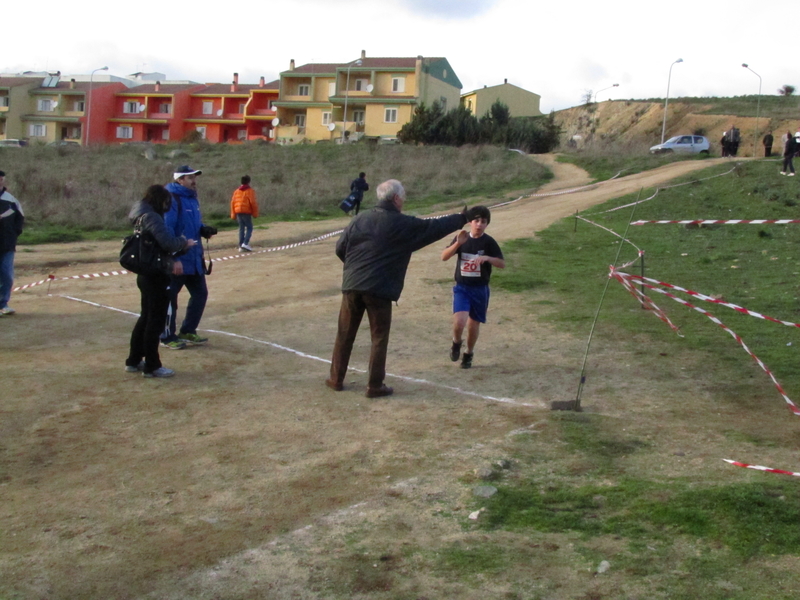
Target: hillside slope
<point>633,123</point>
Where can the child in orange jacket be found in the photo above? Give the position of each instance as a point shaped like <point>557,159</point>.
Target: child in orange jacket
<point>244,209</point>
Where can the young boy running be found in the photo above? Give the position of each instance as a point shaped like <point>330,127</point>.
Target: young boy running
<point>477,254</point>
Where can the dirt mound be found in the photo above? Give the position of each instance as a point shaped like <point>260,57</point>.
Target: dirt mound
<point>638,124</point>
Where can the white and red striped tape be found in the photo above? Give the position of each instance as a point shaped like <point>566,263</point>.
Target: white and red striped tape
<point>621,277</point>
<point>760,468</point>
<point>721,222</point>
<point>705,298</point>
<point>54,279</point>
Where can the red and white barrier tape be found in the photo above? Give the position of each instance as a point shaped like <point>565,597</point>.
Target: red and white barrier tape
<point>705,298</point>
<point>619,276</point>
<point>760,468</point>
<point>721,222</point>
<point>668,187</point>
<point>54,279</point>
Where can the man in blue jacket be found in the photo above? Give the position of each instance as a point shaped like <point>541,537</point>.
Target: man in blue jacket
<point>376,248</point>
<point>183,218</point>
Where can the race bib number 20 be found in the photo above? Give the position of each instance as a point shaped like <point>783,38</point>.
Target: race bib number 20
<point>469,268</point>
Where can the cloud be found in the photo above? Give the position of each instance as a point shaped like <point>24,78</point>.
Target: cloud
<point>450,9</point>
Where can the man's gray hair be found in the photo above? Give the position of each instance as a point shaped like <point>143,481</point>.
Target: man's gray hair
<point>390,189</point>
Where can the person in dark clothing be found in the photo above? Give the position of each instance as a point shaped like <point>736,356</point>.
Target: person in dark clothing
<point>734,138</point>
<point>12,221</point>
<point>768,141</point>
<point>149,213</point>
<point>358,186</point>
<point>789,150</point>
<point>726,150</point>
<point>376,248</point>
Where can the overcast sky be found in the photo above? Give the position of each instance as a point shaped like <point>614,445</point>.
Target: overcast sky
<point>558,50</point>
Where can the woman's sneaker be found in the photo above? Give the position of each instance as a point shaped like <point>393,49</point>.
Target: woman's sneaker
<point>160,372</point>
<point>134,368</point>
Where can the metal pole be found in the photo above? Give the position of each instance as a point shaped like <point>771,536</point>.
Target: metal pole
<point>89,103</point>
<point>577,404</point>
<point>758,106</point>
<point>603,90</point>
<point>666,101</point>
<point>346,92</point>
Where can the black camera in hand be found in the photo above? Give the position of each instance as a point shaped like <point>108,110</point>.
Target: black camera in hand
<point>207,231</point>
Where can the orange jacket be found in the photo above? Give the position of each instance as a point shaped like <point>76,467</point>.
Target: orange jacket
<point>244,201</point>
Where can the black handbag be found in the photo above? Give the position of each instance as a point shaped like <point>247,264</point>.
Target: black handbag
<point>142,255</point>
<point>348,203</point>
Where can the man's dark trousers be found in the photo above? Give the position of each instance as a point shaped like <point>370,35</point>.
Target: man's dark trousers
<point>198,295</point>
<point>379,313</point>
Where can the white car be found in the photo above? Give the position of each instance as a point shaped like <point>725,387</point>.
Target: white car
<point>13,143</point>
<point>686,144</point>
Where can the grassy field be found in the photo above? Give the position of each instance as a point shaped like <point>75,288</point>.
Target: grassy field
<point>88,193</point>
<point>674,537</point>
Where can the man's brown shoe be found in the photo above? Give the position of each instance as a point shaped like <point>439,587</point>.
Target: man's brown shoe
<point>335,386</point>
<point>384,390</point>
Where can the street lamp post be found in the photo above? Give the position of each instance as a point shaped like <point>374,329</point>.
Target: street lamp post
<point>603,90</point>
<point>346,90</point>
<point>89,102</point>
<point>758,106</point>
<point>666,101</point>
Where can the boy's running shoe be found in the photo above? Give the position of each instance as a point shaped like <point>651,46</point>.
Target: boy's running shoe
<point>455,351</point>
<point>174,344</point>
<point>466,361</point>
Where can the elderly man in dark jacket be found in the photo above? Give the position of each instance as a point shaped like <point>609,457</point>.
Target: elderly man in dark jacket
<point>376,248</point>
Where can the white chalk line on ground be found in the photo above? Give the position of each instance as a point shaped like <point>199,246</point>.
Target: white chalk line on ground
<point>301,354</point>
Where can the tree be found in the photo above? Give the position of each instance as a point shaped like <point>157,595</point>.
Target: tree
<point>459,126</point>
<point>786,90</point>
<point>587,97</point>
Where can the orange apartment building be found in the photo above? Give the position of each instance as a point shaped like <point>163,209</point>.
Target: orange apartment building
<point>233,113</point>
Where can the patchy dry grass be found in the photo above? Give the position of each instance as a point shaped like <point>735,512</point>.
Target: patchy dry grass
<point>68,193</point>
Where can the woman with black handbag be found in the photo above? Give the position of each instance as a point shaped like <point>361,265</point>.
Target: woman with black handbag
<point>148,216</point>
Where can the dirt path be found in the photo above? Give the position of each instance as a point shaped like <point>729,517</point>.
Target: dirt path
<point>115,487</point>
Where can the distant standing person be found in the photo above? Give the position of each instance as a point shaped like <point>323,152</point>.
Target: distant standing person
<point>358,186</point>
<point>244,208</point>
<point>768,141</point>
<point>724,144</point>
<point>476,252</point>
<point>184,218</point>
<point>12,220</point>
<point>734,137</point>
<point>376,248</point>
<point>154,288</point>
<point>789,149</point>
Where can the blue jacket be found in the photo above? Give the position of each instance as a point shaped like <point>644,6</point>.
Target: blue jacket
<point>187,224</point>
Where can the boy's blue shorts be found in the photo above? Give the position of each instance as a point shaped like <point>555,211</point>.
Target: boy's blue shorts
<point>473,299</point>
